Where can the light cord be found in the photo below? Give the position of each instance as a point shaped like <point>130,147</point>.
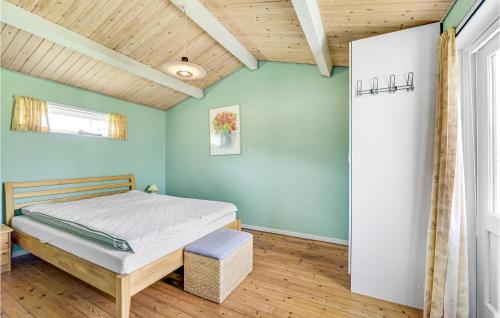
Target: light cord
<point>185,31</point>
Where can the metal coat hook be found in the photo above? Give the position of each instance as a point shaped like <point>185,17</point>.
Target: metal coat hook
<point>409,82</point>
<point>392,88</point>
<point>375,86</point>
<point>392,83</point>
<point>359,87</point>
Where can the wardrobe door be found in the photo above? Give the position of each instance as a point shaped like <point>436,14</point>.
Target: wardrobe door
<point>391,162</point>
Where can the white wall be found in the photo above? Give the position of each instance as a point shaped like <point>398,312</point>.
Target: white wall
<point>391,164</point>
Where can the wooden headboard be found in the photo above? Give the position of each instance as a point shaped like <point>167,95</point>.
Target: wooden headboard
<point>54,188</point>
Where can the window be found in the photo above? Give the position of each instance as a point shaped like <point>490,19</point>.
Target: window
<point>76,121</point>
<point>493,175</point>
<point>480,47</point>
<point>494,132</point>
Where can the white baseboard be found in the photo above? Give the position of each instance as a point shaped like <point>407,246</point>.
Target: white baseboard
<point>296,234</point>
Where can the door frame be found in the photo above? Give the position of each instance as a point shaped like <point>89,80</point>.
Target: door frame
<point>485,223</point>
<point>477,31</point>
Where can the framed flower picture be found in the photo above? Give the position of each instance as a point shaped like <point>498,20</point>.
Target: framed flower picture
<point>225,131</point>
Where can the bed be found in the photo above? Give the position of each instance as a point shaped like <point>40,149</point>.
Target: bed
<point>116,271</point>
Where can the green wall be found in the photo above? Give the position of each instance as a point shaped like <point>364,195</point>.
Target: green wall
<point>292,173</point>
<point>459,10</point>
<point>39,156</point>
<point>293,170</point>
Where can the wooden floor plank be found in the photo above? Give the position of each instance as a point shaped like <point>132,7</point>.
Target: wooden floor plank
<point>11,308</point>
<point>314,283</point>
<point>196,307</point>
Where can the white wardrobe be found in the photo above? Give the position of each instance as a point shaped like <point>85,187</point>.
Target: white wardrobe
<point>391,163</point>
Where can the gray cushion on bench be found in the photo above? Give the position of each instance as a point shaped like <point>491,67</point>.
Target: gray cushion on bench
<point>219,244</point>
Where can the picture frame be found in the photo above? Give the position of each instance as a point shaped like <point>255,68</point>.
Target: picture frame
<point>225,126</point>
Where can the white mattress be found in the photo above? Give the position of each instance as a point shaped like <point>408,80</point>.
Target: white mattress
<point>115,260</point>
<point>138,219</point>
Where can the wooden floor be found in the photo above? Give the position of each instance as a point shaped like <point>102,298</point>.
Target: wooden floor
<point>291,278</point>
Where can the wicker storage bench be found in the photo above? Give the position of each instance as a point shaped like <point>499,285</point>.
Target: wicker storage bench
<point>217,263</point>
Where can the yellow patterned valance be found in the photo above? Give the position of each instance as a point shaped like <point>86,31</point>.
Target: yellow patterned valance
<point>118,126</point>
<point>30,114</point>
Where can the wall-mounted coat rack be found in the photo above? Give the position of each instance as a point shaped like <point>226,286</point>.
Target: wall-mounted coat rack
<point>392,88</point>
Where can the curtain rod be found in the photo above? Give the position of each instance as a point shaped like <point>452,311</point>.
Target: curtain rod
<point>78,108</point>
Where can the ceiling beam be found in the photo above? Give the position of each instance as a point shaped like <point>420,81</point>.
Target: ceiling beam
<point>310,20</point>
<point>205,20</point>
<point>32,23</point>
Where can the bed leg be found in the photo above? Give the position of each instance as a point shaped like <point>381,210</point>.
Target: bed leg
<point>123,296</point>
<point>238,224</point>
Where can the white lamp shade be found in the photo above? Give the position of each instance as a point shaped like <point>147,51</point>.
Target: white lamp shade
<point>152,188</point>
<point>184,70</point>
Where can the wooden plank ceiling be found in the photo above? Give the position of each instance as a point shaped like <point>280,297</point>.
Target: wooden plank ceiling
<point>151,31</point>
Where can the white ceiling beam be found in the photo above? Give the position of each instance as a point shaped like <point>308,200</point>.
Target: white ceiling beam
<point>32,23</point>
<point>310,20</point>
<point>205,20</point>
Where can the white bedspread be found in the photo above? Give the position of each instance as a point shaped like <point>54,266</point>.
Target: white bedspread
<point>143,220</point>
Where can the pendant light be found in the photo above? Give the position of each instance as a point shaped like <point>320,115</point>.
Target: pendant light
<point>183,69</point>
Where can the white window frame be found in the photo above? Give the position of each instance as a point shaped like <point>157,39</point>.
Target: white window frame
<point>61,109</point>
<point>471,37</point>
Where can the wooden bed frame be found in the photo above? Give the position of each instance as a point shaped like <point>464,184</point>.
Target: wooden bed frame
<point>122,287</point>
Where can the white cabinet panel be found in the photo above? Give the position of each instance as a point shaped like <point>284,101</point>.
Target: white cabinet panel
<point>391,164</point>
